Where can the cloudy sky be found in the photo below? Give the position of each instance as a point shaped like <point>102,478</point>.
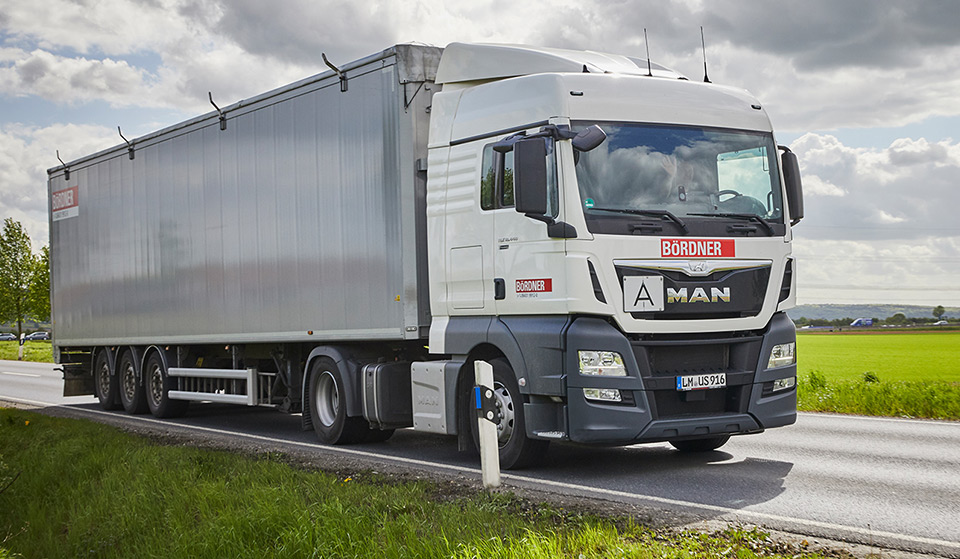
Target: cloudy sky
<point>866,92</point>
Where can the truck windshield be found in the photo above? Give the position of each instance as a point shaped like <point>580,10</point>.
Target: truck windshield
<point>691,172</point>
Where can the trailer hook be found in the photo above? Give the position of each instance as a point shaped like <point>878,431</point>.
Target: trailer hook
<point>341,75</point>
<point>129,143</point>
<point>66,170</point>
<point>223,118</point>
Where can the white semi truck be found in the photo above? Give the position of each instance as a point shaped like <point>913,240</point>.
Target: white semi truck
<point>614,238</point>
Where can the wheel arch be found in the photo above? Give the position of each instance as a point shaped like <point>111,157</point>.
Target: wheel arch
<point>111,359</point>
<point>349,371</point>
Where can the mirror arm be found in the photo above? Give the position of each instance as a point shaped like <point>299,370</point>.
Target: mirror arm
<point>556,229</point>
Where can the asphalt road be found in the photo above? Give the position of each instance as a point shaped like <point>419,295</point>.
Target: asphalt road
<point>892,483</point>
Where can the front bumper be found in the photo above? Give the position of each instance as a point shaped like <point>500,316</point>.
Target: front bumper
<point>652,409</point>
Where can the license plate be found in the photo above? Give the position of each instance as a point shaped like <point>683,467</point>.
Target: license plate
<point>702,382</point>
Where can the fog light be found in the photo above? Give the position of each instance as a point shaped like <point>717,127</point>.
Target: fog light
<point>784,383</point>
<point>602,394</point>
<point>782,355</point>
<point>602,363</point>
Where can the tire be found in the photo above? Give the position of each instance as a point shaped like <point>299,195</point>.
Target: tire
<point>105,384</point>
<point>701,445</point>
<point>132,395</point>
<point>328,406</point>
<point>517,451</point>
<point>157,385</point>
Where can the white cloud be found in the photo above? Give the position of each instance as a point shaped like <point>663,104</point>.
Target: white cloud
<point>892,236</point>
<point>25,155</point>
<point>905,191</point>
<point>72,80</point>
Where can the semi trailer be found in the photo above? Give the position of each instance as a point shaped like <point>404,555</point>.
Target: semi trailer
<point>614,238</point>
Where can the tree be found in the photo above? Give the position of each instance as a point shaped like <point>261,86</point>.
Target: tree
<point>939,311</point>
<point>898,318</point>
<point>17,267</point>
<point>39,298</point>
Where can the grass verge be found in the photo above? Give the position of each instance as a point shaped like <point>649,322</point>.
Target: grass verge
<point>41,352</point>
<point>871,395</point>
<point>71,488</point>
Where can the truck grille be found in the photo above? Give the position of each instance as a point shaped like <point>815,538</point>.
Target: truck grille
<point>663,359</point>
<point>744,291</point>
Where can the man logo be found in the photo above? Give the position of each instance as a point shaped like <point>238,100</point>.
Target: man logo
<point>697,266</point>
<point>699,295</point>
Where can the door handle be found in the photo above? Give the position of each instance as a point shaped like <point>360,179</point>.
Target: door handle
<point>499,289</point>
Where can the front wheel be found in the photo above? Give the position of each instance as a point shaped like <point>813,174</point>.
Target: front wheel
<point>517,451</point>
<point>328,406</point>
<point>701,445</point>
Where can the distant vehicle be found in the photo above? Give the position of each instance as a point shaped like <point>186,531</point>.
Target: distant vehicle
<point>862,322</point>
<point>941,323</point>
<point>37,336</point>
<point>7,337</point>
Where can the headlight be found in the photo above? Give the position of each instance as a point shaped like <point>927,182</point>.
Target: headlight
<point>602,394</point>
<point>602,363</point>
<point>782,355</point>
<point>784,383</point>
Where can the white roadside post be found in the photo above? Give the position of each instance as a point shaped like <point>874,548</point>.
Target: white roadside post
<point>20,350</point>
<point>489,446</point>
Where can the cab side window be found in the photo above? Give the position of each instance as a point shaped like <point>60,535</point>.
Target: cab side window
<point>496,180</point>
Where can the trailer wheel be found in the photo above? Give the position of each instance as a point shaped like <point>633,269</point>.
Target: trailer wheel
<point>132,394</point>
<point>517,451</point>
<point>701,445</point>
<point>157,385</point>
<point>104,383</point>
<point>328,406</point>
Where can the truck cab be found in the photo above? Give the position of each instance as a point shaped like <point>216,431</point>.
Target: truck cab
<point>618,237</point>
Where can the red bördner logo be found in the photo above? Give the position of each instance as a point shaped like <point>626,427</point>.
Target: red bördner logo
<point>534,285</point>
<point>698,248</point>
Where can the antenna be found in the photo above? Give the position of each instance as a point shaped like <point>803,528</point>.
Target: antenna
<point>703,46</point>
<point>647,44</point>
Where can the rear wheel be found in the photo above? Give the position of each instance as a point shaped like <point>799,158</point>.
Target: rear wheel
<point>701,445</point>
<point>132,395</point>
<point>516,449</point>
<point>328,406</point>
<point>105,383</point>
<point>158,385</point>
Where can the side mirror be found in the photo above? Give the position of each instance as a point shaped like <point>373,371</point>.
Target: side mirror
<point>589,138</point>
<point>530,176</point>
<point>791,178</point>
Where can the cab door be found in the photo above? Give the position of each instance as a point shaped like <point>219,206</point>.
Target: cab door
<point>528,264</point>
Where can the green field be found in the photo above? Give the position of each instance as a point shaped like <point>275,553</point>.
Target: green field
<point>907,356</point>
<point>900,374</point>
<point>32,351</point>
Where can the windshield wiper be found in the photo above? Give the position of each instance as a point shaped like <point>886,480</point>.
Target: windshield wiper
<point>653,213</point>
<point>749,217</point>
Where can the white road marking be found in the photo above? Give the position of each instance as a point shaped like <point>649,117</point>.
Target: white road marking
<point>19,374</point>
<point>738,514</point>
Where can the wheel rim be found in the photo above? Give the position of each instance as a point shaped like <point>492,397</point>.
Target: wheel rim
<point>506,412</point>
<point>155,378</point>
<point>328,399</point>
<point>103,379</point>
<point>128,380</point>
